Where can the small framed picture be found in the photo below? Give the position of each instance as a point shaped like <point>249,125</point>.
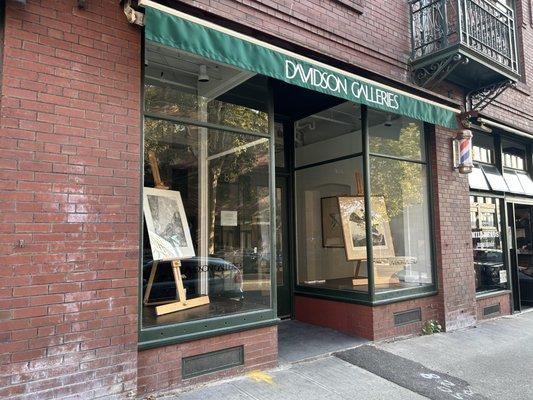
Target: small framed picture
<point>352,215</point>
<point>331,222</point>
<point>167,226</point>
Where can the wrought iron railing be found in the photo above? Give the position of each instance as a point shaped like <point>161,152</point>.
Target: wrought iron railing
<point>486,26</point>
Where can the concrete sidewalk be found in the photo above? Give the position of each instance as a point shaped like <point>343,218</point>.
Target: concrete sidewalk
<point>492,361</point>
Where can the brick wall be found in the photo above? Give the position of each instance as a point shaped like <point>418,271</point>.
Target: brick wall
<point>504,300</point>
<point>453,235</point>
<point>373,323</point>
<point>160,368</point>
<point>69,190</point>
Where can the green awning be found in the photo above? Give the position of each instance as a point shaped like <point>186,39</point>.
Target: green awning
<point>172,28</point>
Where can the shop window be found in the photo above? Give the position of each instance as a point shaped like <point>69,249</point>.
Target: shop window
<point>330,225</point>
<point>396,136</point>
<point>399,201</point>
<point>514,155</point>
<point>489,267</point>
<point>329,134</point>
<point>206,197</point>
<point>330,214</point>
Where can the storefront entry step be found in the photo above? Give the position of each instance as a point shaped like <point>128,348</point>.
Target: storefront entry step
<point>298,341</point>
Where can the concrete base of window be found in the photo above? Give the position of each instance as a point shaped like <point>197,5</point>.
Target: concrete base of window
<point>160,369</point>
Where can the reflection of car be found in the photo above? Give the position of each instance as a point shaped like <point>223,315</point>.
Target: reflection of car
<point>225,279</point>
<point>525,278</point>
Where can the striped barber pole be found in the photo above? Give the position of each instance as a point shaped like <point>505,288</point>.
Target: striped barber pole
<point>463,143</point>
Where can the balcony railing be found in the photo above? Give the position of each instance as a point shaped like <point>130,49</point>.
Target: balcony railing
<point>483,26</point>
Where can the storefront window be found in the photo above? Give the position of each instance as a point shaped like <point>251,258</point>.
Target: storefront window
<point>399,201</point>
<point>206,197</point>
<point>330,207</point>
<point>489,266</point>
<point>330,217</point>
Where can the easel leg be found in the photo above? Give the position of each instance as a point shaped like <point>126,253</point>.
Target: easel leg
<point>150,282</point>
<point>180,290</point>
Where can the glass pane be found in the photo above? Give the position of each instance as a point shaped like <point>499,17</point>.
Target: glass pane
<point>513,183</point>
<point>217,225</point>
<point>494,177</point>
<point>330,226</point>
<point>489,268</point>
<point>527,183</point>
<point>400,224</point>
<point>394,135</point>
<point>329,134</point>
<point>476,179</point>
<point>482,148</point>
<point>514,154</point>
<point>182,85</point>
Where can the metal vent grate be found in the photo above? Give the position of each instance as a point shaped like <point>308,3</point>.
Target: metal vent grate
<point>206,363</point>
<point>407,317</point>
<point>491,310</point>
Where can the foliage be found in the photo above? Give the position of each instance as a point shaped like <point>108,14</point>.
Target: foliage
<point>399,182</point>
<point>430,327</point>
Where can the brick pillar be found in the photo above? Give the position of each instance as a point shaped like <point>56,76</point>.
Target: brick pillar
<point>453,235</point>
<point>69,201</point>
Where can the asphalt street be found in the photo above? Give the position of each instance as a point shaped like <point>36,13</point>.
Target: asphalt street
<point>491,361</point>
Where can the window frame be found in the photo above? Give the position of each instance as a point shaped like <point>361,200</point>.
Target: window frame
<point>156,336</point>
<point>371,298</point>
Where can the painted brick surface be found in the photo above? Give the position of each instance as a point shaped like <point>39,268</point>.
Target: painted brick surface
<point>69,190</point>
<point>160,368</point>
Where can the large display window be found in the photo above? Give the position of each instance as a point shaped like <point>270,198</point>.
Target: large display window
<point>207,246</point>
<point>337,255</point>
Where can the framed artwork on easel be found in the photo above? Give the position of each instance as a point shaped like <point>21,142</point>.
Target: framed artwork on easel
<point>352,216</point>
<point>166,222</point>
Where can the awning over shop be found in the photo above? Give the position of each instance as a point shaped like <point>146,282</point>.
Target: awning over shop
<point>172,28</point>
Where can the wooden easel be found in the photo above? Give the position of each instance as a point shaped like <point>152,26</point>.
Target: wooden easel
<point>357,279</point>
<point>169,306</point>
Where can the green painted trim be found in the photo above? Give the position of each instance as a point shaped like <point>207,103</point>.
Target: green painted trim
<point>394,296</point>
<point>245,53</point>
<point>486,295</point>
<point>334,295</point>
<point>178,333</point>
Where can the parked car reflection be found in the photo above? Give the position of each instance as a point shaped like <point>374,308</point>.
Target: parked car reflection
<point>224,278</point>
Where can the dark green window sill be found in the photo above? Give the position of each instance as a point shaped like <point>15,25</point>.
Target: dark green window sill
<point>172,334</point>
<point>394,296</point>
<point>493,293</point>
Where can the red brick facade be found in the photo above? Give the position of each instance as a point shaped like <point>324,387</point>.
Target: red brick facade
<point>70,140</point>
<point>70,169</point>
<point>160,368</point>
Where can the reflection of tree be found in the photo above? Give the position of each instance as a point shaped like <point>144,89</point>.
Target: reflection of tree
<point>178,144</point>
<point>399,182</point>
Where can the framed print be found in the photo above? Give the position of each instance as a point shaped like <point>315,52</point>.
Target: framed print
<point>331,223</point>
<point>352,215</point>
<point>167,225</point>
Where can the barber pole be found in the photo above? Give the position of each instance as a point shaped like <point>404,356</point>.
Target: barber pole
<point>462,146</point>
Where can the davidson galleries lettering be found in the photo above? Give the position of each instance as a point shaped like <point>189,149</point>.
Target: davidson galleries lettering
<point>340,85</point>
